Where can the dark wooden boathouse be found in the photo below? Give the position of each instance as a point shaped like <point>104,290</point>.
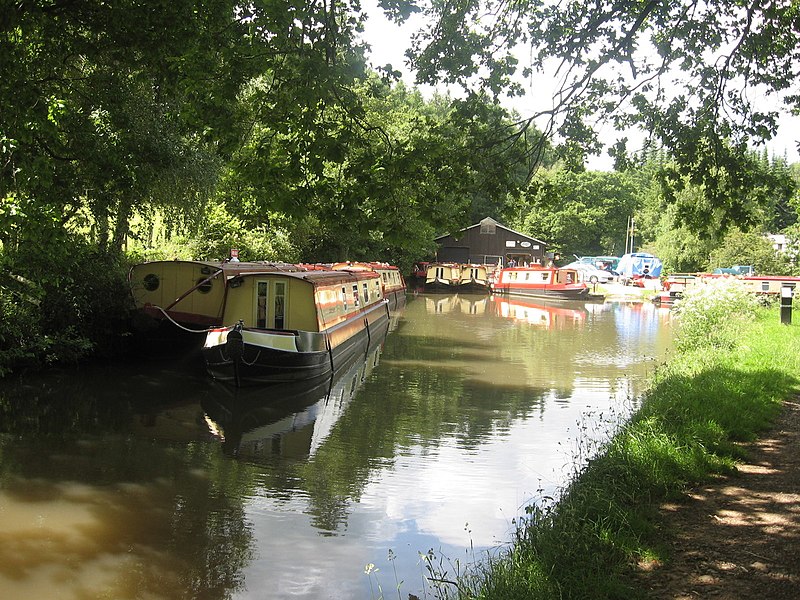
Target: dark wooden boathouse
<point>490,242</point>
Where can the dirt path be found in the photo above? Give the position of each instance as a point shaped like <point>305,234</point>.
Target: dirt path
<point>738,537</point>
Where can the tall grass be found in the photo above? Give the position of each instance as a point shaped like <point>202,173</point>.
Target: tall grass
<point>734,365</point>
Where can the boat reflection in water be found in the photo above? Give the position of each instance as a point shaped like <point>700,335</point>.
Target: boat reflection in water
<point>540,314</point>
<point>547,314</point>
<point>287,419</point>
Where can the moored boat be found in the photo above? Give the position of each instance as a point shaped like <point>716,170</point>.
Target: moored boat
<point>186,292</point>
<point>294,325</point>
<point>770,285</point>
<point>540,282</point>
<point>675,285</point>
<point>443,276</point>
<point>475,277</point>
<point>394,287</point>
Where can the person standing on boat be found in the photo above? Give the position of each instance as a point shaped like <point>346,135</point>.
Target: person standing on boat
<point>512,263</point>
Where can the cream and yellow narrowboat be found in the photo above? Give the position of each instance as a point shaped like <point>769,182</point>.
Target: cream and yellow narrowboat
<point>770,285</point>
<point>443,276</point>
<point>475,277</point>
<point>289,326</point>
<point>189,293</point>
<point>394,286</point>
<point>763,285</point>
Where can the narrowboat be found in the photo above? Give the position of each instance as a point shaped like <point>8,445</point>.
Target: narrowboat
<point>770,285</point>
<point>394,287</point>
<point>185,292</point>
<point>540,282</point>
<point>443,276</point>
<point>289,326</point>
<point>475,277</point>
<point>763,285</point>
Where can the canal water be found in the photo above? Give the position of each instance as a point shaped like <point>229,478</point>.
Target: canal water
<point>148,480</point>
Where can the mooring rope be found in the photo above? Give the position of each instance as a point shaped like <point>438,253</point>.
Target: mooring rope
<point>179,326</point>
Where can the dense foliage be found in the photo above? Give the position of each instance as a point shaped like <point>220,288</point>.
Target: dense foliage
<point>705,80</point>
<point>185,129</point>
<point>589,213</point>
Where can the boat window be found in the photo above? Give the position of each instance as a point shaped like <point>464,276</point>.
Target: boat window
<point>344,297</point>
<point>355,295</point>
<point>280,304</point>
<point>203,286</point>
<point>765,286</point>
<point>366,292</point>
<point>262,288</point>
<point>527,276</point>
<point>545,276</point>
<point>151,282</point>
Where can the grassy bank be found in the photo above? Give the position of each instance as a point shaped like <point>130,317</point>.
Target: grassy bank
<point>733,365</point>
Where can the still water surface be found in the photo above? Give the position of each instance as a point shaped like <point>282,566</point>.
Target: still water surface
<point>149,480</point>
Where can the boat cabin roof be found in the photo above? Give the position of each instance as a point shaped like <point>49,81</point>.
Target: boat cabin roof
<point>229,267</point>
<point>317,278</point>
<point>363,266</point>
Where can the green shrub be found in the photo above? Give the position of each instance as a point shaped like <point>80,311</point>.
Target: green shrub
<point>61,308</point>
<point>711,314</point>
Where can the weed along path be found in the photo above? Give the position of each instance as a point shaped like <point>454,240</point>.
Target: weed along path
<point>739,536</point>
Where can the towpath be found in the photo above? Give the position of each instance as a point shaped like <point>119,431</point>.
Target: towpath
<point>739,536</point>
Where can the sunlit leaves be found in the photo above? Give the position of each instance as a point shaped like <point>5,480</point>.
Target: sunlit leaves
<point>688,73</point>
<point>582,213</point>
<point>399,10</point>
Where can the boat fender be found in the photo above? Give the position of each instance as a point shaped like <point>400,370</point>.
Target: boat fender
<point>235,344</point>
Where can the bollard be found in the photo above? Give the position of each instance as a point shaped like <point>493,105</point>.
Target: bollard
<point>787,291</point>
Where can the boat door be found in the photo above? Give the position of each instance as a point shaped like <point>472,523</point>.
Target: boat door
<point>270,304</point>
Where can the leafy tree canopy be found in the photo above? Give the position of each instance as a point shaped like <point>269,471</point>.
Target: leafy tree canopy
<point>753,249</point>
<point>688,73</point>
<point>582,213</point>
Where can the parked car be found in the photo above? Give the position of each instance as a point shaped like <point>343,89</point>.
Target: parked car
<point>604,263</point>
<point>590,273</point>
